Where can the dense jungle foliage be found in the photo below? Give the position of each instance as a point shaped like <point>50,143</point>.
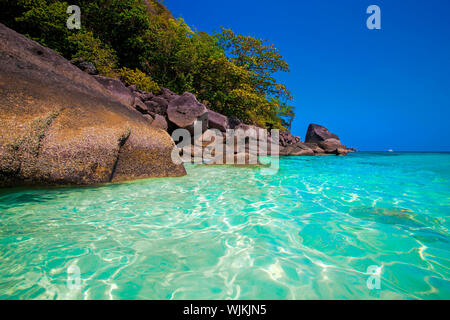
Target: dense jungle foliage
<point>140,41</point>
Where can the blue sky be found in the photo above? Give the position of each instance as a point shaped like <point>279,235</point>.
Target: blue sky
<point>376,89</point>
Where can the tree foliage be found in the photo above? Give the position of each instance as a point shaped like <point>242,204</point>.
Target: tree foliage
<point>138,78</point>
<point>140,41</point>
<point>86,46</point>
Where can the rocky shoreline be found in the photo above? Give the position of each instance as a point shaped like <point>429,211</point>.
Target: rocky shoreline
<point>169,111</point>
<point>64,124</point>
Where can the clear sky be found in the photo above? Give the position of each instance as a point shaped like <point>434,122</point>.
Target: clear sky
<point>376,89</point>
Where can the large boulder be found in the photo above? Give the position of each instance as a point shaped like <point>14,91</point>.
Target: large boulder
<point>168,95</point>
<point>61,126</point>
<point>331,145</point>
<point>315,147</point>
<point>157,105</point>
<point>317,133</point>
<point>140,106</point>
<point>117,89</point>
<point>217,121</point>
<point>185,110</point>
<point>159,122</point>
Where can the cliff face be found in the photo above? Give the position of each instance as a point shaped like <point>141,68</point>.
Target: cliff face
<point>60,126</point>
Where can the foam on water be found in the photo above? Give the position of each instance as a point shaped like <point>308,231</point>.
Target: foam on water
<point>309,232</point>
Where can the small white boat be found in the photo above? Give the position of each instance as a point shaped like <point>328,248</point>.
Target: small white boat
<point>390,150</point>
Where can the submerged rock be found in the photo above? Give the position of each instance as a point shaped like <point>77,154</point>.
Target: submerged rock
<point>61,126</point>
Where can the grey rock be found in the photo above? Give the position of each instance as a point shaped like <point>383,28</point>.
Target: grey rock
<point>317,133</point>
<point>117,89</point>
<point>185,110</point>
<point>217,121</point>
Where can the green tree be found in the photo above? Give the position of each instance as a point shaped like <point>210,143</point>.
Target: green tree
<point>85,46</point>
<point>262,61</point>
<point>142,43</point>
<point>43,21</point>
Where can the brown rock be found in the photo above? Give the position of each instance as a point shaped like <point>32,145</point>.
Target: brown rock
<point>298,149</point>
<point>302,153</point>
<point>315,147</point>
<point>286,138</point>
<point>159,122</point>
<point>185,110</point>
<point>317,133</point>
<point>147,96</point>
<point>140,106</point>
<point>85,66</point>
<point>240,159</point>
<point>233,122</point>
<point>330,145</point>
<point>168,95</point>
<point>217,121</point>
<point>148,117</point>
<point>61,126</point>
<point>209,137</point>
<point>158,105</point>
<point>117,89</point>
<point>341,152</point>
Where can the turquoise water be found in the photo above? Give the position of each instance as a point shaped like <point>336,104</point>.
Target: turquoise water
<point>309,232</point>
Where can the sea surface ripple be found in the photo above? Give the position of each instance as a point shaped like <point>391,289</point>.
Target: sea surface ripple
<point>311,231</point>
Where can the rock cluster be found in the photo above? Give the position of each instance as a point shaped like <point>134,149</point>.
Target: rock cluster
<point>319,141</point>
<point>170,111</point>
<point>286,138</point>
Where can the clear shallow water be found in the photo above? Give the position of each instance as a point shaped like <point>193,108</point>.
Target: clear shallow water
<point>308,232</point>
